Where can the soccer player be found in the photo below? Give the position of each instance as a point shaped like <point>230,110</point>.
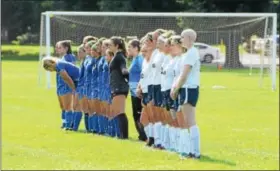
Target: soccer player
<point>70,75</point>
<point>119,84</point>
<point>78,103</point>
<point>85,105</point>
<point>134,77</point>
<point>89,63</point>
<point>142,92</point>
<point>64,51</point>
<point>187,86</point>
<point>176,50</point>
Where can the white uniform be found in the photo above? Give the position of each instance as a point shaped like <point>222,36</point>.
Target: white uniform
<point>169,72</point>
<point>145,76</point>
<point>157,61</point>
<point>163,80</point>
<point>191,57</point>
<point>151,74</point>
<point>177,69</point>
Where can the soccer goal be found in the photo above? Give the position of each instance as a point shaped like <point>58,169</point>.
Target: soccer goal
<point>224,39</point>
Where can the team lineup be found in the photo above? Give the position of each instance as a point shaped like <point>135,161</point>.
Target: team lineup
<point>163,82</point>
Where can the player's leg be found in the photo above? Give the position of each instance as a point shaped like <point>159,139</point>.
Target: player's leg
<point>188,109</point>
<point>119,113</point>
<point>77,111</point>
<point>62,111</point>
<point>67,100</point>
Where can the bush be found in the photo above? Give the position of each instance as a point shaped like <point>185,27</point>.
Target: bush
<point>27,38</point>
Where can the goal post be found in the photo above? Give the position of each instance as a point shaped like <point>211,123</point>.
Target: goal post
<point>212,29</point>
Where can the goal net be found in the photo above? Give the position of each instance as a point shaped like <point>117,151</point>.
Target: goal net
<point>225,41</point>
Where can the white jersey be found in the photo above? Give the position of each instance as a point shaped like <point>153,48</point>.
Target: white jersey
<point>169,73</point>
<point>145,76</point>
<point>157,61</point>
<point>191,57</point>
<point>165,63</point>
<point>178,67</point>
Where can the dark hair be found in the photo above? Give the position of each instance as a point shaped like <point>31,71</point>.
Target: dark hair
<point>89,38</point>
<point>120,42</point>
<point>135,43</point>
<point>66,44</point>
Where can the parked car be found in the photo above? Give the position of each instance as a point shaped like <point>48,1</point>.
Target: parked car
<point>207,53</point>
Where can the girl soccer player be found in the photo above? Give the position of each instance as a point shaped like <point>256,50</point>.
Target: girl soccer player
<point>63,49</point>
<point>119,84</point>
<point>70,75</point>
<point>134,77</point>
<point>187,86</point>
<point>84,100</point>
<point>88,64</point>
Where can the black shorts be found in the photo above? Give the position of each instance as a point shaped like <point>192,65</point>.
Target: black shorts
<point>189,95</point>
<point>145,98</point>
<point>113,94</point>
<point>157,95</point>
<point>150,92</point>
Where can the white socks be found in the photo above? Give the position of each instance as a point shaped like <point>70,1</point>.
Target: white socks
<point>166,138</point>
<point>146,129</point>
<point>151,130</point>
<point>195,140</point>
<point>157,132</point>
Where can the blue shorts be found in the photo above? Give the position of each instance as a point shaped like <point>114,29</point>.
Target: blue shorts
<point>88,91</point>
<point>157,95</point>
<point>189,95</point>
<point>150,92</point>
<point>63,90</point>
<point>145,98</point>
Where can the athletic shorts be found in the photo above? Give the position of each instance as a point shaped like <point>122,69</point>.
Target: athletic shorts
<point>145,98</point>
<point>150,92</point>
<point>63,90</point>
<point>157,95</point>
<point>188,95</point>
<point>116,93</point>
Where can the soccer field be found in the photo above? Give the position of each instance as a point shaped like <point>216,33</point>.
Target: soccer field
<point>239,127</point>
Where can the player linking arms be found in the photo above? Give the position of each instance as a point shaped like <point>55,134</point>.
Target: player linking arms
<point>70,75</point>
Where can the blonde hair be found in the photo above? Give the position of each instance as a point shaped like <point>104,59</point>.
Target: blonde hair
<point>48,61</point>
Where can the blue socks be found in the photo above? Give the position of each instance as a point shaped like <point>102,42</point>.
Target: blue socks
<point>68,119</point>
<point>86,122</point>
<point>77,120</point>
<point>63,118</point>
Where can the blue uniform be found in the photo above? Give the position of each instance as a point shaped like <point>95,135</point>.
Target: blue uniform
<point>94,79</point>
<point>81,87</point>
<point>100,63</point>
<point>71,69</point>
<point>61,88</point>
<point>134,74</point>
<point>89,63</point>
<point>107,91</point>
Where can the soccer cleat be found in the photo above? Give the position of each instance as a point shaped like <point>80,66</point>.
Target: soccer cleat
<point>194,156</point>
<point>151,142</point>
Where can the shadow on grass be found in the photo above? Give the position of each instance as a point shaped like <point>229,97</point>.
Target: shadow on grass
<point>11,55</point>
<point>208,159</point>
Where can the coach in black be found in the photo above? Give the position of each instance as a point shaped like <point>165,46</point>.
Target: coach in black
<point>119,84</point>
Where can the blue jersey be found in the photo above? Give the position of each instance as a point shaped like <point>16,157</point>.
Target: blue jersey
<point>100,63</point>
<point>94,80</point>
<point>88,70</point>
<point>59,82</point>
<point>71,69</point>
<point>134,73</point>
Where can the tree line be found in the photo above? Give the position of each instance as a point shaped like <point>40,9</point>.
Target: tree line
<point>20,17</point>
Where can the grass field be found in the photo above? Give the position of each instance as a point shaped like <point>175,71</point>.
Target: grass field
<point>239,126</point>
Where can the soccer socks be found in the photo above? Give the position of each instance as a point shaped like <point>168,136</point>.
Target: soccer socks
<point>63,118</point>
<point>123,126</point>
<point>77,120</point>
<point>157,134</point>
<point>195,141</point>
<point>177,140</point>
<point>166,139</point>
<point>86,121</point>
<point>68,119</point>
<point>185,142</point>
<point>90,123</point>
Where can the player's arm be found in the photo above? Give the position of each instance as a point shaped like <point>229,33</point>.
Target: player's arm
<point>67,79</point>
<point>123,67</point>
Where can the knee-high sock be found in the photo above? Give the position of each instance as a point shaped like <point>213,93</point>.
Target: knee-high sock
<point>195,140</point>
<point>123,126</point>
<point>77,120</point>
<point>63,118</point>
<point>68,119</point>
<point>116,127</point>
<point>86,121</point>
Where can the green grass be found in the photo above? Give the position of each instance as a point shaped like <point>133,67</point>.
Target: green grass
<point>239,127</point>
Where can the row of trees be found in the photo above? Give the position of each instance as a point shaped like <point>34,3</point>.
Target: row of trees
<point>19,17</point>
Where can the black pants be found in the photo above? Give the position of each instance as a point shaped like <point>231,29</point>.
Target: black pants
<point>136,109</point>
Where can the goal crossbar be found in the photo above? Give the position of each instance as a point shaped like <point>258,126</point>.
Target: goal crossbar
<point>171,14</point>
